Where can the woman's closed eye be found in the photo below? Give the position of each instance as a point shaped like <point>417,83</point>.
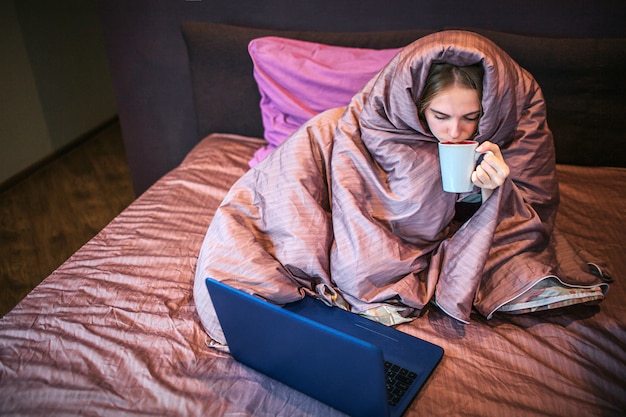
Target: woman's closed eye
<point>470,117</point>
<point>439,115</point>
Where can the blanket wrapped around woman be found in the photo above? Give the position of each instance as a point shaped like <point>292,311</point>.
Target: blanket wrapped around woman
<point>351,209</point>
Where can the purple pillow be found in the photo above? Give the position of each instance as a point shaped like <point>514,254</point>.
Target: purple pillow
<point>299,79</point>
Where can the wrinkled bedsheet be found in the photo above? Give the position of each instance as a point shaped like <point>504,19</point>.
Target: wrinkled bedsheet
<point>114,330</point>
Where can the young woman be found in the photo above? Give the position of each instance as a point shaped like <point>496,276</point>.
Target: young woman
<point>450,107</point>
<point>350,209</point>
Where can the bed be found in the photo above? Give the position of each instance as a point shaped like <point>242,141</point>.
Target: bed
<point>114,330</point>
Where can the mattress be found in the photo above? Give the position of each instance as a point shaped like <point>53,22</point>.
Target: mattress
<point>114,331</point>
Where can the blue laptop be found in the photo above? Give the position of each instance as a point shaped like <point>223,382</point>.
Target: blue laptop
<point>351,363</point>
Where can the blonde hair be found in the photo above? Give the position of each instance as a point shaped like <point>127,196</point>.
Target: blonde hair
<point>442,76</point>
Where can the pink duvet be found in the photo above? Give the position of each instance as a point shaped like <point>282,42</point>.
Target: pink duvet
<point>351,209</point>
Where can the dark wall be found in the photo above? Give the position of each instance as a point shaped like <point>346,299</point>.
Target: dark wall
<point>148,58</point>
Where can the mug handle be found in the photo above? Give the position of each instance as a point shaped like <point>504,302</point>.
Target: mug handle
<point>478,155</point>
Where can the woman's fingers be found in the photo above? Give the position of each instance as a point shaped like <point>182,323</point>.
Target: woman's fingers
<point>492,171</point>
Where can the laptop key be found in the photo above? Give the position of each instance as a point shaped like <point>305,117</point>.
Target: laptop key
<point>398,382</point>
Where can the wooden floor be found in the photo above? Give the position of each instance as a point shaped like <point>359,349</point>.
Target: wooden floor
<point>47,216</point>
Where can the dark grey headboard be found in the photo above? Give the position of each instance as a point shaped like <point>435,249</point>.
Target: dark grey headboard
<point>582,81</point>
<point>149,62</point>
<point>226,97</point>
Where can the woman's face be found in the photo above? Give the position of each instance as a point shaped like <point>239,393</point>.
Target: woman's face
<point>453,114</point>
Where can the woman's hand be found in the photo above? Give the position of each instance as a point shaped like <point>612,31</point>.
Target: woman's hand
<point>492,171</point>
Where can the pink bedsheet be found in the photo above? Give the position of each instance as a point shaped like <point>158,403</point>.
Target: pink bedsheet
<point>114,330</point>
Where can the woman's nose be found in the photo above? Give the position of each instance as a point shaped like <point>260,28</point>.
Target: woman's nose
<point>455,130</point>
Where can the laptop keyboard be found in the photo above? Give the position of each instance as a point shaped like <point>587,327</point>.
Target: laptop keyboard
<point>398,381</point>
